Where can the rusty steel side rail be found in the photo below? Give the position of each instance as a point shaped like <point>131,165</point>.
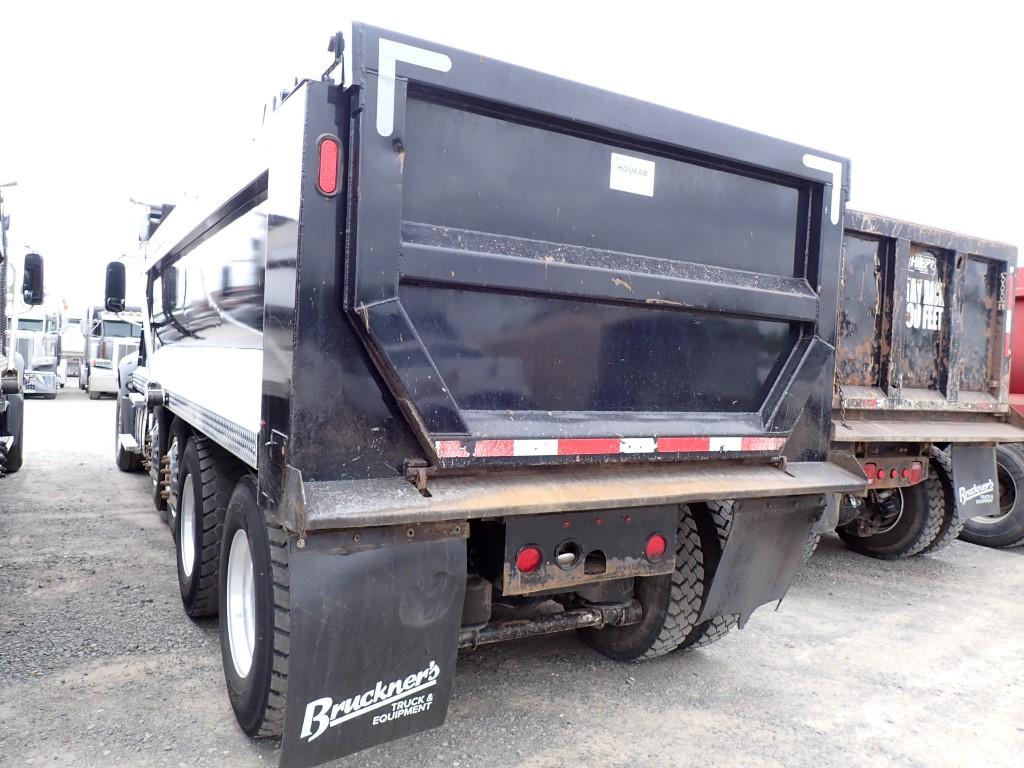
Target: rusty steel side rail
<point>516,629</point>
<point>327,505</point>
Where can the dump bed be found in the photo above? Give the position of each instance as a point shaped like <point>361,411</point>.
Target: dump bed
<point>546,272</point>
<point>925,318</point>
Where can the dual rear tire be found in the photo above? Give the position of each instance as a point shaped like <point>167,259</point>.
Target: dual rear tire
<point>232,561</point>
<point>1007,528</point>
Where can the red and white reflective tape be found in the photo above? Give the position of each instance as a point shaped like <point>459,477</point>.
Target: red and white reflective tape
<point>602,446</point>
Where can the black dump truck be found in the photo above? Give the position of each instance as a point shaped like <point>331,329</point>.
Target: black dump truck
<point>479,354</point>
<point>922,383</point>
<point>12,369</point>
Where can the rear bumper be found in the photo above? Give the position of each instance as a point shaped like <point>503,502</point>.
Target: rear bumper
<point>40,383</point>
<point>925,430</point>
<point>102,380</point>
<point>315,506</point>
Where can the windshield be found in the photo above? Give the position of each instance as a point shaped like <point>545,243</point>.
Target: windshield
<point>25,324</point>
<point>121,328</point>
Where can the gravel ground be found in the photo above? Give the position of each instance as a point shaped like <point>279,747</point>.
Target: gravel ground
<point>916,663</point>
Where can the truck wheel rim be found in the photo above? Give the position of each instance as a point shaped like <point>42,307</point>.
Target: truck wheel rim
<point>1007,498</point>
<point>241,607</point>
<point>186,531</point>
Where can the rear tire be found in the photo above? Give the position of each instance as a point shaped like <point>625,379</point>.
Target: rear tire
<point>16,451</point>
<point>94,395</point>
<point>941,467</point>
<point>714,520</point>
<point>1008,529</point>
<point>207,481</point>
<point>671,604</point>
<point>258,550</point>
<point>917,526</point>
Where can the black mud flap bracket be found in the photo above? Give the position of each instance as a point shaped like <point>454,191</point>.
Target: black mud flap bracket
<point>974,480</point>
<point>375,617</point>
<point>762,554</point>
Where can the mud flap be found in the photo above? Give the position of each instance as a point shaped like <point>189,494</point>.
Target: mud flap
<point>974,480</point>
<point>375,617</point>
<point>762,554</point>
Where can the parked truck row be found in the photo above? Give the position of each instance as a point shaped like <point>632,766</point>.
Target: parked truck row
<point>477,353</point>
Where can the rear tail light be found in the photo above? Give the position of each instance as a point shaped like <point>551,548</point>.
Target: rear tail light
<point>869,471</point>
<point>529,559</point>
<point>329,165</point>
<point>655,548</point>
<point>916,472</point>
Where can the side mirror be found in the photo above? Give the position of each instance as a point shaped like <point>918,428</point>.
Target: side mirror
<point>169,288</point>
<point>32,281</point>
<point>113,294</point>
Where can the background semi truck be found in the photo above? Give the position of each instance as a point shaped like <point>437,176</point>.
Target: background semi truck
<point>12,396</point>
<point>922,383</point>
<point>38,343</point>
<point>109,337</point>
<point>477,354</point>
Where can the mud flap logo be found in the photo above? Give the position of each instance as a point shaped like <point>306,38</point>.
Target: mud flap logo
<point>397,698</point>
<point>926,302</point>
<point>980,493</point>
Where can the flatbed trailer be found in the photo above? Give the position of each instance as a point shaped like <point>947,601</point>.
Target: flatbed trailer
<point>477,354</point>
<point>922,382</point>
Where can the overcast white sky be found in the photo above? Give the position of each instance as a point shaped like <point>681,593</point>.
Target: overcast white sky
<point>100,102</point>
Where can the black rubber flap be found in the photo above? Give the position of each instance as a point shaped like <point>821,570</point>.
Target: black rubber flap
<point>974,480</point>
<point>762,554</point>
<point>373,642</point>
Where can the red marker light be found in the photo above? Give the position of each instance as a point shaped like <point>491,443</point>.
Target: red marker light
<point>906,473</point>
<point>529,559</point>
<point>656,546</point>
<point>327,171</point>
<point>894,474</point>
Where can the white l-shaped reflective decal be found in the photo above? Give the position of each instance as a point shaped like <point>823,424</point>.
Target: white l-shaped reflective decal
<point>391,52</point>
<point>835,169</point>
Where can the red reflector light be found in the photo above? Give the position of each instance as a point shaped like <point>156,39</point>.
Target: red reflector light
<point>881,474</point>
<point>906,473</point>
<point>916,472</point>
<point>869,470</point>
<point>656,546</point>
<point>528,559</point>
<point>327,173</point>
<point>894,474</point>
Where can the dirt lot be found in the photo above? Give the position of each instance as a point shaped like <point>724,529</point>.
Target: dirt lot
<point>917,663</point>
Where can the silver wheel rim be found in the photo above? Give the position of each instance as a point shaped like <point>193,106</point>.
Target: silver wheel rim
<point>186,529</point>
<point>993,519</point>
<point>241,604</point>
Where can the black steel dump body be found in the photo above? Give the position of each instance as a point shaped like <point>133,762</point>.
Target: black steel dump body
<point>541,272</point>
<point>924,334</point>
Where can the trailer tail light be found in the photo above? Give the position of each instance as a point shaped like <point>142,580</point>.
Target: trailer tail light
<point>916,472</point>
<point>869,471</point>
<point>329,165</point>
<point>656,547</point>
<point>529,559</point>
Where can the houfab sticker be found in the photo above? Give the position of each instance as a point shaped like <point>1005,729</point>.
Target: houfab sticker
<point>632,174</point>
<point>979,493</point>
<point>400,698</point>
<point>926,302</point>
